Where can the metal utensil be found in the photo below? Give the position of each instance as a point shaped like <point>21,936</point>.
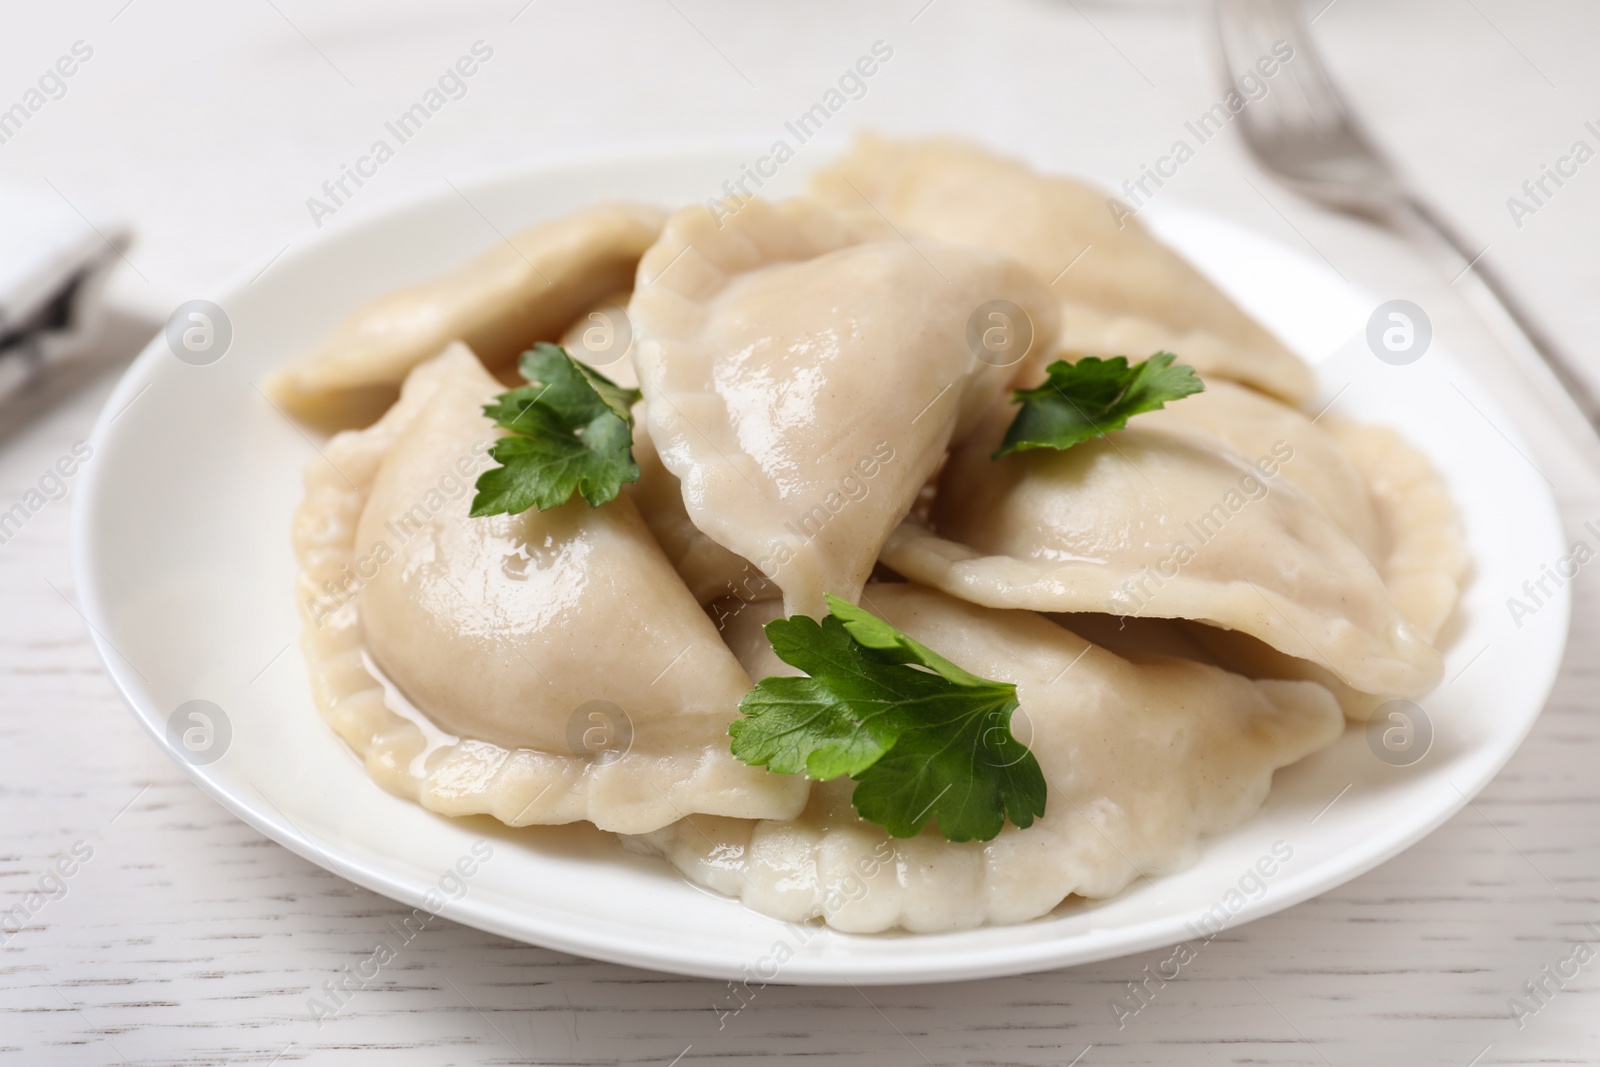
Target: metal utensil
<point>1303,133</point>
<point>53,265</point>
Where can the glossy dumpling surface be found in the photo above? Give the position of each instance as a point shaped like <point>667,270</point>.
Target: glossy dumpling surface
<point>1122,292</point>
<point>1141,760</point>
<point>513,690</point>
<point>803,376</point>
<point>1164,520</point>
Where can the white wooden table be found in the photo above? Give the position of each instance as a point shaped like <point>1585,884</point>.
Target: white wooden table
<point>185,937</point>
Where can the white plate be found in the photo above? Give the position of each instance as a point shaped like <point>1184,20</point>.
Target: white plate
<point>184,567</point>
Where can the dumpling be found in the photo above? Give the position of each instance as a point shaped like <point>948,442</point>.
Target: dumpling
<point>1425,559</point>
<point>803,380</point>
<point>1164,520</point>
<point>511,688</point>
<point>528,288</point>
<point>1141,760</point>
<point>1129,294</point>
<point>1310,458</point>
<point>1382,492</point>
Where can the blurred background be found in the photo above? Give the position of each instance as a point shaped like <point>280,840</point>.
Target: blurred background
<point>206,130</point>
<point>208,126</point>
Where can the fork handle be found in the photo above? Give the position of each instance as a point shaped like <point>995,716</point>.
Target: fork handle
<point>1490,296</point>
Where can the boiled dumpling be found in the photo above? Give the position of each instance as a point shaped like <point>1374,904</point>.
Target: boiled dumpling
<point>528,288</point>
<point>513,690</point>
<point>1122,292</point>
<point>1164,520</point>
<point>803,381</point>
<point>1307,456</point>
<point>1424,557</point>
<point>1382,492</point>
<point>1141,761</point>
<point>1423,560</point>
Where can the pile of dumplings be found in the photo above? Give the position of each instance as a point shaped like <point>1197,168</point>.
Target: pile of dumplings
<point>1184,605</point>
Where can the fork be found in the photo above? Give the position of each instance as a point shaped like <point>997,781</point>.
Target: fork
<point>1302,132</point>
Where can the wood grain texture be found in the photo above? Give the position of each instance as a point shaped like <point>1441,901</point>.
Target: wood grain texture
<point>187,938</point>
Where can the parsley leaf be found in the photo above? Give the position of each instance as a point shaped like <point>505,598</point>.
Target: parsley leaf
<point>1090,398</point>
<point>571,430</point>
<point>922,737</point>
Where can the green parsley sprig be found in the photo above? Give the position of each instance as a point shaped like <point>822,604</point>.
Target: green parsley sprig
<point>1092,397</point>
<point>571,431</point>
<point>923,738</point>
